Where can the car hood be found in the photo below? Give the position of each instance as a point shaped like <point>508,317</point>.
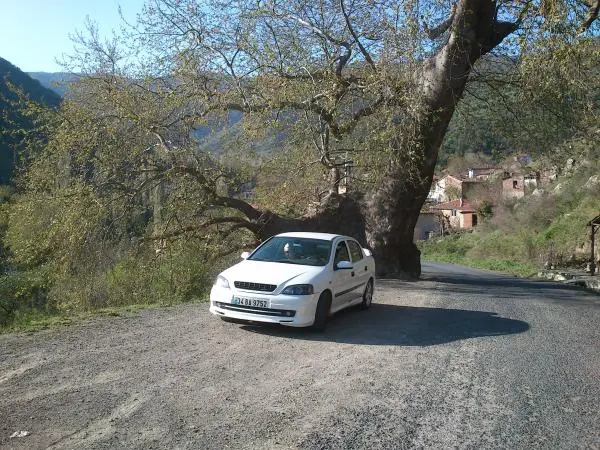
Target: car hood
<point>270,272</point>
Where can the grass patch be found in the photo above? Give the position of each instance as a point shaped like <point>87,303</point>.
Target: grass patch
<point>494,251</point>
<point>32,320</point>
<point>522,270</point>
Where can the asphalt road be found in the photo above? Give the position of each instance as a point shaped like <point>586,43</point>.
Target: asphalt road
<point>461,359</point>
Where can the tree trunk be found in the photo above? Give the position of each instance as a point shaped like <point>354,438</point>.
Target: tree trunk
<point>394,208</point>
<point>391,215</point>
<point>339,214</point>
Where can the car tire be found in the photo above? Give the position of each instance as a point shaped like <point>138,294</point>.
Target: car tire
<point>367,296</point>
<point>322,311</point>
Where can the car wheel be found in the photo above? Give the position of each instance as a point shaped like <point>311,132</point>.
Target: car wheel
<point>322,311</point>
<point>367,296</point>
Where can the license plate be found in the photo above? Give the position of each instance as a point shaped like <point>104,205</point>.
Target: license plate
<point>245,301</point>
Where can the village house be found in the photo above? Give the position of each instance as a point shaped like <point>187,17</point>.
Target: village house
<point>519,177</point>
<point>479,184</point>
<point>456,197</point>
<point>446,188</point>
<point>513,186</point>
<point>457,213</point>
<point>484,173</point>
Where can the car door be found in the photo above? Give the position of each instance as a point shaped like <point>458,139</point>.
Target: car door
<point>360,269</point>
<point>341,279</point>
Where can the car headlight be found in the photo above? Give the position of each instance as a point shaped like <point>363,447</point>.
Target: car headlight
<point>222,282</point>
<point>298,289</point>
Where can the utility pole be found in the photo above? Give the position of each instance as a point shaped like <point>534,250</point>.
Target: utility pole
<point>592,256</point>
<point>594,224</point>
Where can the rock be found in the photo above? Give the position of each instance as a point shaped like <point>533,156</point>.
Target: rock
<point>593,284</point>
<point>570,164</point>
<point>19,434</point>
<point>592,182</point>
<point>537,192</point>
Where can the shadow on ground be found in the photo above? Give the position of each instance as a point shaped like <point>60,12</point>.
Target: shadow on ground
<point>466,281</point>
<point>504,287</point>
<point>401,325</point>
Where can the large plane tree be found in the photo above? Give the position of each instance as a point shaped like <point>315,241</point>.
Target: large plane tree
<point>372,81</point>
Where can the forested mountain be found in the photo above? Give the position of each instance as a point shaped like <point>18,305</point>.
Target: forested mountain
<point>504,112</point>
<point>32,87</point>
<point>11,79</point>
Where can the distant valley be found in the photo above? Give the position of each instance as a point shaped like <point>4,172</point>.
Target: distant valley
<point>56,81</point>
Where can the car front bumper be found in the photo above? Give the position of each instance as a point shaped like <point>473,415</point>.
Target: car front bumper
<point>289,310</point>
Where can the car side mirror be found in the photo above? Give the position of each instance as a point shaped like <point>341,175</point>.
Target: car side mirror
<point>344,265</point>
<point>245,255</point>
<point>367,252</point>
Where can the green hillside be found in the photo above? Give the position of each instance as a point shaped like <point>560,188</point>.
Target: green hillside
<point>11,77</point>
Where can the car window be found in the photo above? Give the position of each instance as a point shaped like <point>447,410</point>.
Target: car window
<point>341,253</point>
<point>355,251</point>
<point>293,250</point>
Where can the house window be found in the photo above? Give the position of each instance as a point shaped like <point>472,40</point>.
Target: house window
<point>453,213</point>
<point>515,184</point>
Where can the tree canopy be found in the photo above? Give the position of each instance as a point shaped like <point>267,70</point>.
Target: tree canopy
<point>371,84</point>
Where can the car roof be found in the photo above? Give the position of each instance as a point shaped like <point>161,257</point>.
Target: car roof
<point>323,236</point>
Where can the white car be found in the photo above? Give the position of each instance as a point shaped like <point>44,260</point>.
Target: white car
<point>296,279</point>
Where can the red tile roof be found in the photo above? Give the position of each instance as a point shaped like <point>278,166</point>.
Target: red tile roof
<point>467,206</point>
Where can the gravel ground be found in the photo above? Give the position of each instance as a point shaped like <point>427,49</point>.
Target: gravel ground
<point>462,359</point>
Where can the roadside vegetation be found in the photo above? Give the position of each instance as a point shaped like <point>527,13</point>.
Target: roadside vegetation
<point>467,249</point>
<point>521,237</point>
<point>546,228</point>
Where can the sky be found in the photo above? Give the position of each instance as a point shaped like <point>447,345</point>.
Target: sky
<point>34,33</point>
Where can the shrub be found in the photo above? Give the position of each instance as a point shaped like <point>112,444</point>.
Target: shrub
<point>178,273</point>
<point>22,291</point>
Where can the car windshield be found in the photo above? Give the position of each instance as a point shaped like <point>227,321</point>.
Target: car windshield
<point>293,250</point>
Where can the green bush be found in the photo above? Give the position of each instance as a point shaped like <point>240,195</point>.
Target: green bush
<point>22,291</point>
<point>493,251</point>
<point>81,290</point>
<point>176,274</point>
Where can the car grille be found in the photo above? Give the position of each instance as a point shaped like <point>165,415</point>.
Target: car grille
<point>255,310</point>
<point>249,286</point>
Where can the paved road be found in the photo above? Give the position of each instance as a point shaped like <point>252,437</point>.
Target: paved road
<point>462,359</point>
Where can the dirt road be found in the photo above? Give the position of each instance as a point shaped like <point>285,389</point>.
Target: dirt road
<point>462,359</point>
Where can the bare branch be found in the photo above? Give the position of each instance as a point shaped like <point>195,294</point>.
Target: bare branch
<point>318,31</point>
<point>343,59</point>
<point>245,208</point>
<point>591,16</point>
<point>237,222</point>
<point>363,50</point>
<point>436,32</point>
